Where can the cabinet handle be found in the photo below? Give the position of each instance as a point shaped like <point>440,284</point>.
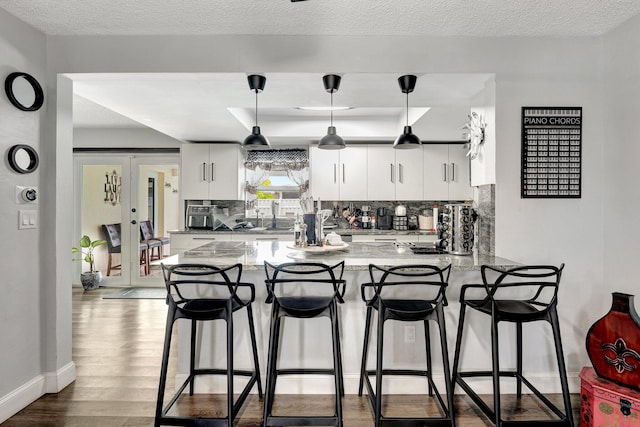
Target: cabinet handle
<point>400,173</point>
<point>204,172</point>
<point>213,171</point>
<point>444,172</point>
<point>453,172</point>
<point>384,240</point>
<point>335,177</point>
<point>391,170</point>
<point>343,178</point>
<point>203,238</point>
<point>268,239</point>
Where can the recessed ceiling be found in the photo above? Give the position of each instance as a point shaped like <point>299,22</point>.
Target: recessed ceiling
<point>221,107</point>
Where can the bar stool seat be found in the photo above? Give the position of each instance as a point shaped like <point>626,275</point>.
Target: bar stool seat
<point>303,290</point>
<point>200,292</point>
<point>500,296</point>
<point>387,294</point>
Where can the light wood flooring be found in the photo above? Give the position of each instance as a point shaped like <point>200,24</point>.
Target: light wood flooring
<point>117,346</point>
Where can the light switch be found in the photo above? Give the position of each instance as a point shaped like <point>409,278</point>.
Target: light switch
<point>27,219</point>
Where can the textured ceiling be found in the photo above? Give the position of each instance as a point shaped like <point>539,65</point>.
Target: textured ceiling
<point>325,17</point>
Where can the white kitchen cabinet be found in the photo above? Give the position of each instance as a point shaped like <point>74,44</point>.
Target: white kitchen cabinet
<point>394,174</point>
<point>339,174</point>
<point>211,172</point>
<point>446,172</point>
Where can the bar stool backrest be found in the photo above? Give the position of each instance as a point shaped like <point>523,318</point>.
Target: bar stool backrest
<point>146,230</point>
<point>411,282</point>
<point>536,285</point>
<point>189,282</point>
<point>112,236</point>
<point>302,279</point>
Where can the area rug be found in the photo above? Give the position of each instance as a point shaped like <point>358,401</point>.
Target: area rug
<point>138,293</point>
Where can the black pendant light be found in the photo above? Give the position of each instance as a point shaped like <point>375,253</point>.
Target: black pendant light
<point>407,139</point>
<point>331,141</point>
<point>256,139</point>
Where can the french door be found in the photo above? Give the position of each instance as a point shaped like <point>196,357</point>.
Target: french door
<point>119,191</point>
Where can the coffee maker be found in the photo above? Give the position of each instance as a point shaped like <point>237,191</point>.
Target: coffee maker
<point>383,219</point>
<point>365,219</point>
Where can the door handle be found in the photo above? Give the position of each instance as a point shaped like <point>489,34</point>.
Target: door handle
<point>343,179</point>
<point>335,178</point>
<point>444,172</point>
<point>213,170</point>
<point>204,172</point>
<point>400,173</point>
<point>453,172</point>
<point>134,222</point>
<point>391,169</point>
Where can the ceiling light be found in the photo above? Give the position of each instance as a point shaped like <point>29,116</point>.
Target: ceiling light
<point>331,141</point>
<point>324,108</point>
<point>256,139</point>
<point>407,139</point>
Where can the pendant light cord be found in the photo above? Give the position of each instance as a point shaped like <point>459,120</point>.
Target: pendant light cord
<point>407,108</point>
<point>331,110</point>
<point>256,108</point>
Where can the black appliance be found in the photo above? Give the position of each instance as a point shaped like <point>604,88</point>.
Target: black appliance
<point>384,219</point>
<point>426,248</point>
<point>200,216</point>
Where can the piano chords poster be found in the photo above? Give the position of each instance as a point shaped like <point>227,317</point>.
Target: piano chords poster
<point>551,152</point>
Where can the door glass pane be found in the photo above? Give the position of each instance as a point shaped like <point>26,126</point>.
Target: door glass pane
<point>101,204</point>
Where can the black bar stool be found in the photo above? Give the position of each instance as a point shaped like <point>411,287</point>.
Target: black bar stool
<point>200,292</point>
<point>501,297</point>
<point>408,293</point>
<point>303,290</point>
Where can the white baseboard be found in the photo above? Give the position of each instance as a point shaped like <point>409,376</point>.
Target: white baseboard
<point>323,384</point>
<point>23,396</point>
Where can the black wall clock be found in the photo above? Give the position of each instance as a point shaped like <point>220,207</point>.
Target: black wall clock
<point>20,99</point>
<point>23,158</point>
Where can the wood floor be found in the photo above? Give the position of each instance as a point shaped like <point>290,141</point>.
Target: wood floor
<point>117,346</point>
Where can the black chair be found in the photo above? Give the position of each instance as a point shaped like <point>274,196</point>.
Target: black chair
<point>200,292</point>
<point>148,235</point>
<point>519,295</point>
<point>303,290</point>
<point>407,293</point>
<point>114,246</point>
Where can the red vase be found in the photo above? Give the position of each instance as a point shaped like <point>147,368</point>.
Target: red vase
<point>613,343</point>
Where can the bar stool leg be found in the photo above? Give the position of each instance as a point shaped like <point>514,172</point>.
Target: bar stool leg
<point>333,311</point>
<point>379,365</point>
<point>427,342</point>
<point>271,364</point>
<point>519,359</point>
<point>456,356</point>
<point>555,325</point>
<point>496,371</point>
<point>254,348</point>
<point>445,363</point>
<point>365,350</point>
<point>192,356</point>
<point>230,366</point>
<point>164,366</point>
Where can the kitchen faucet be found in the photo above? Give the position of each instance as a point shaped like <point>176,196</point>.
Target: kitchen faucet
<point>274,211</point>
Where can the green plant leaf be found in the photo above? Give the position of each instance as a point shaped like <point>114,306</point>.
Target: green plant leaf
<point>85,241</point>
<point>98,243</point>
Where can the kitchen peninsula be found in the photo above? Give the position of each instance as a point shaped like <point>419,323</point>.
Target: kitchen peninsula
<point>311,346</point>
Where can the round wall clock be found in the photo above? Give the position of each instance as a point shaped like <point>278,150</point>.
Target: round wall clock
<point>24,91</point>
<point>476,127</point>
<point>23,158</point>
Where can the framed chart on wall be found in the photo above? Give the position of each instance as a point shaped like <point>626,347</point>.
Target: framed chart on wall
<point>551,152</point>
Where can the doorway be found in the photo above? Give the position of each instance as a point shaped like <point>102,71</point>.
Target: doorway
<point>118,191</point>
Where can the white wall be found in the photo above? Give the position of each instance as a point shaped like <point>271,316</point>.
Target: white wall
<point>621,149</point>
<point>21,318</point>
<point>483,167</point>
<point>122,138</point>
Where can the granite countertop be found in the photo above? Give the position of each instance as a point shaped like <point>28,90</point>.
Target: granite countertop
<point>341,231</point>
<point>357,256</point>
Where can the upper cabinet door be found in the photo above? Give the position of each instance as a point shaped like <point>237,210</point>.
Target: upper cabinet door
<point>353,173</point>
<point>226,172</point>
<point>459,174</point>
<point>211,172</point>
<point>382,173</point>
<point>409,174</point>
<point>436,161</point>
<point>194,170</point>
<point>324,173</point>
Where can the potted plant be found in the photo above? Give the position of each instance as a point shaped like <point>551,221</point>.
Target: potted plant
<point>89,279</point>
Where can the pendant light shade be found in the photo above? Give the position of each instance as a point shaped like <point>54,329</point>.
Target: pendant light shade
<point>407,139</point>
<point>256,139</point>
<point>331,141</point>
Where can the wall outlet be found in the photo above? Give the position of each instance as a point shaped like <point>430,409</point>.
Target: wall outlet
<point>409,333</point>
